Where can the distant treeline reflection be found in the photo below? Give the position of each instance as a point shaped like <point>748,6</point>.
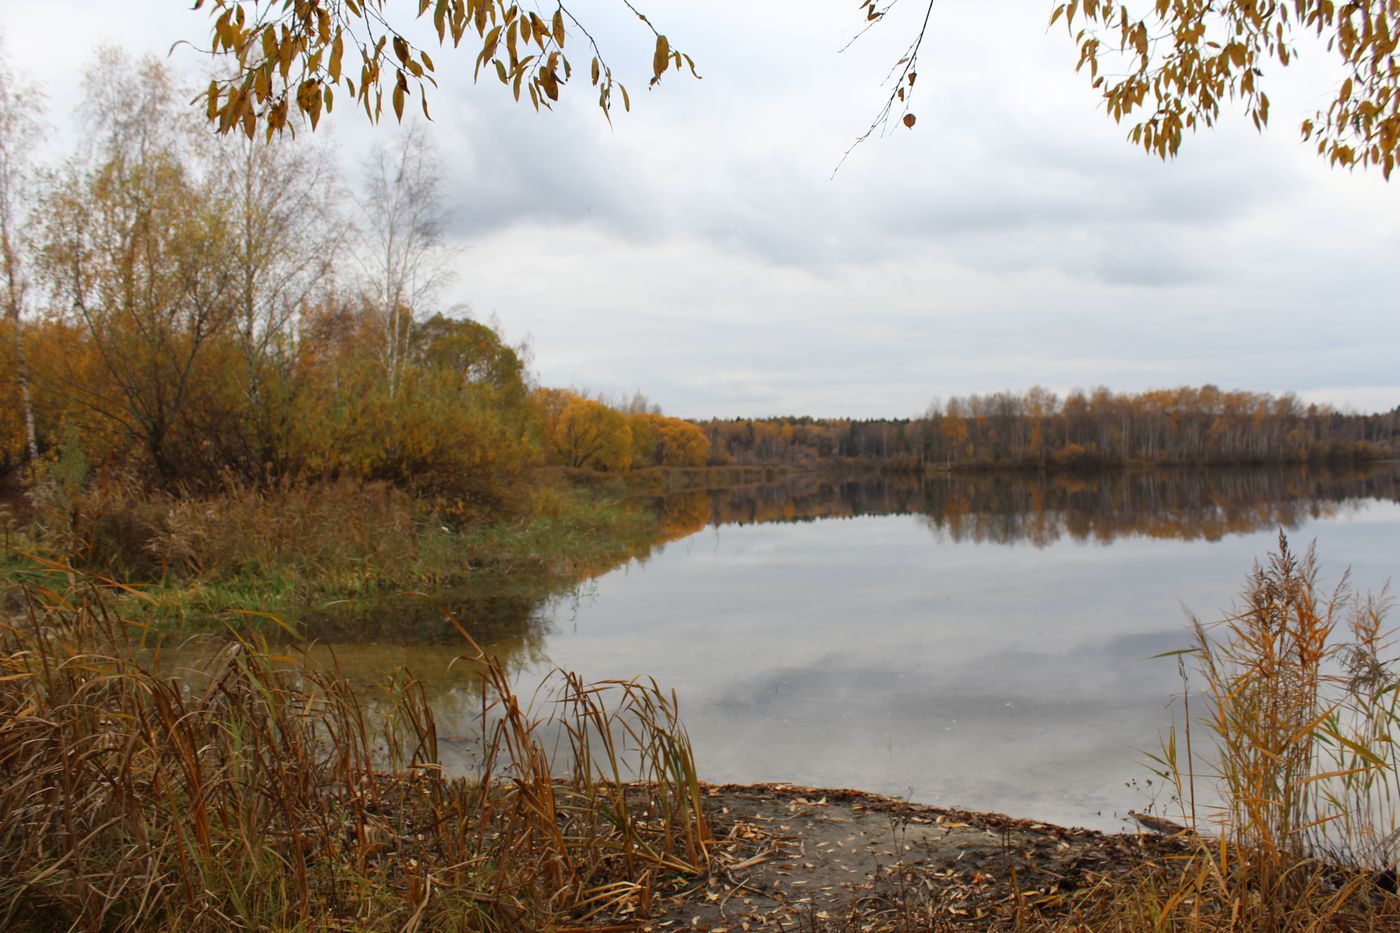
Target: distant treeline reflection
<point>511,615</point>
<point>1040,509</point>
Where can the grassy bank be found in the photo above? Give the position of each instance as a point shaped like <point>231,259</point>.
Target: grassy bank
<point>287,550</point>
<point>296,551</point>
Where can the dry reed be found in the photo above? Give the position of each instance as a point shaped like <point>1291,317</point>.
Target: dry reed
<point>1302,702</point>
<point>265,793</point>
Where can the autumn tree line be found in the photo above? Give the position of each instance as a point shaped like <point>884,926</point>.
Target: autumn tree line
<point>193,310</point>
<point>1039,429</point>
<point>190,310</point>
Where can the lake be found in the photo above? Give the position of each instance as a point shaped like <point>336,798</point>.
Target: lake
<point>973,641</point>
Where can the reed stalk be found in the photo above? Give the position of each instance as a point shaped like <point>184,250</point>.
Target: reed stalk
<point>1299,686</point>
<point>263,792</point>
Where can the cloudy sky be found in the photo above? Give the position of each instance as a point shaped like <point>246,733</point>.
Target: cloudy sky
<point>701,250</point>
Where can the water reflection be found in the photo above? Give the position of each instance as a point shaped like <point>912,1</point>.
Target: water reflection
<point>909,649</point>
<point>513,617</point>
<point>868,653</point>
<point>1040,509</point>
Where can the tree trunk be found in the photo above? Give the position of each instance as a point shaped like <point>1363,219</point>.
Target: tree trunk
<point>14,300</point>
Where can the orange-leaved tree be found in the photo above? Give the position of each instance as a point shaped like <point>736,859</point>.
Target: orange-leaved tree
<point>658,440</point>
<point>19,130</point>
<point>581,432</point>
<point>137,253</point>
<point>454,428</point>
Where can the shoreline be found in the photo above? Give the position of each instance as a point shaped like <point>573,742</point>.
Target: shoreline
<point>372,842</point>
<point>794,857</point>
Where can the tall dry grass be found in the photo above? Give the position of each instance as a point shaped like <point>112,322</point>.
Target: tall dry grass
<point>263,792</point>
<point>295,549</point>
<point>344,530</point>
<point>1293,794</point>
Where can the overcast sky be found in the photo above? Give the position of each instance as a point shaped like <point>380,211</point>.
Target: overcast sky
<point>700,250</point>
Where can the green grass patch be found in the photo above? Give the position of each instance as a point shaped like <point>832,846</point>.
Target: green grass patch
<point>302,554</point>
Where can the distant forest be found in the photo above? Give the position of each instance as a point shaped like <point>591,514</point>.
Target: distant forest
<point>1178,503</point>
<point>1040,430</point>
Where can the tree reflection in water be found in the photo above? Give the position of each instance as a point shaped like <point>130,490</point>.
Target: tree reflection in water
<point>513,618</point>
<point>1039,509</point>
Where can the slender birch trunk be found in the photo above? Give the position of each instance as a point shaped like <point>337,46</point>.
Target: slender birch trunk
<point>17,131</point>
<point>14,302</point>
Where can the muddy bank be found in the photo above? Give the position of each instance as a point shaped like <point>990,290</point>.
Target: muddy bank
<point>795,858</point>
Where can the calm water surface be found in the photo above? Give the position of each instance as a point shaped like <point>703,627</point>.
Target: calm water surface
<point>983,643</point>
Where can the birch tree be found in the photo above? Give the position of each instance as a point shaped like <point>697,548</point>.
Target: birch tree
<point>19,126</point>
<point>286,238</point>
<point>401,246</point>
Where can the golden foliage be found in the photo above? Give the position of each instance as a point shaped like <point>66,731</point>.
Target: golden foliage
<point>1171,65</point>
<point>1182,60</point>
<point>661,441</point>
<point>590,434</point>
<point>175,351</point>
<point>290,57</point>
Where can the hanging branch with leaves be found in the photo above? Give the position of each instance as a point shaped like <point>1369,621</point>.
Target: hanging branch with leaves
<point>1186,57</point>
<point>1170,70</point>
<point>290,57</point>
